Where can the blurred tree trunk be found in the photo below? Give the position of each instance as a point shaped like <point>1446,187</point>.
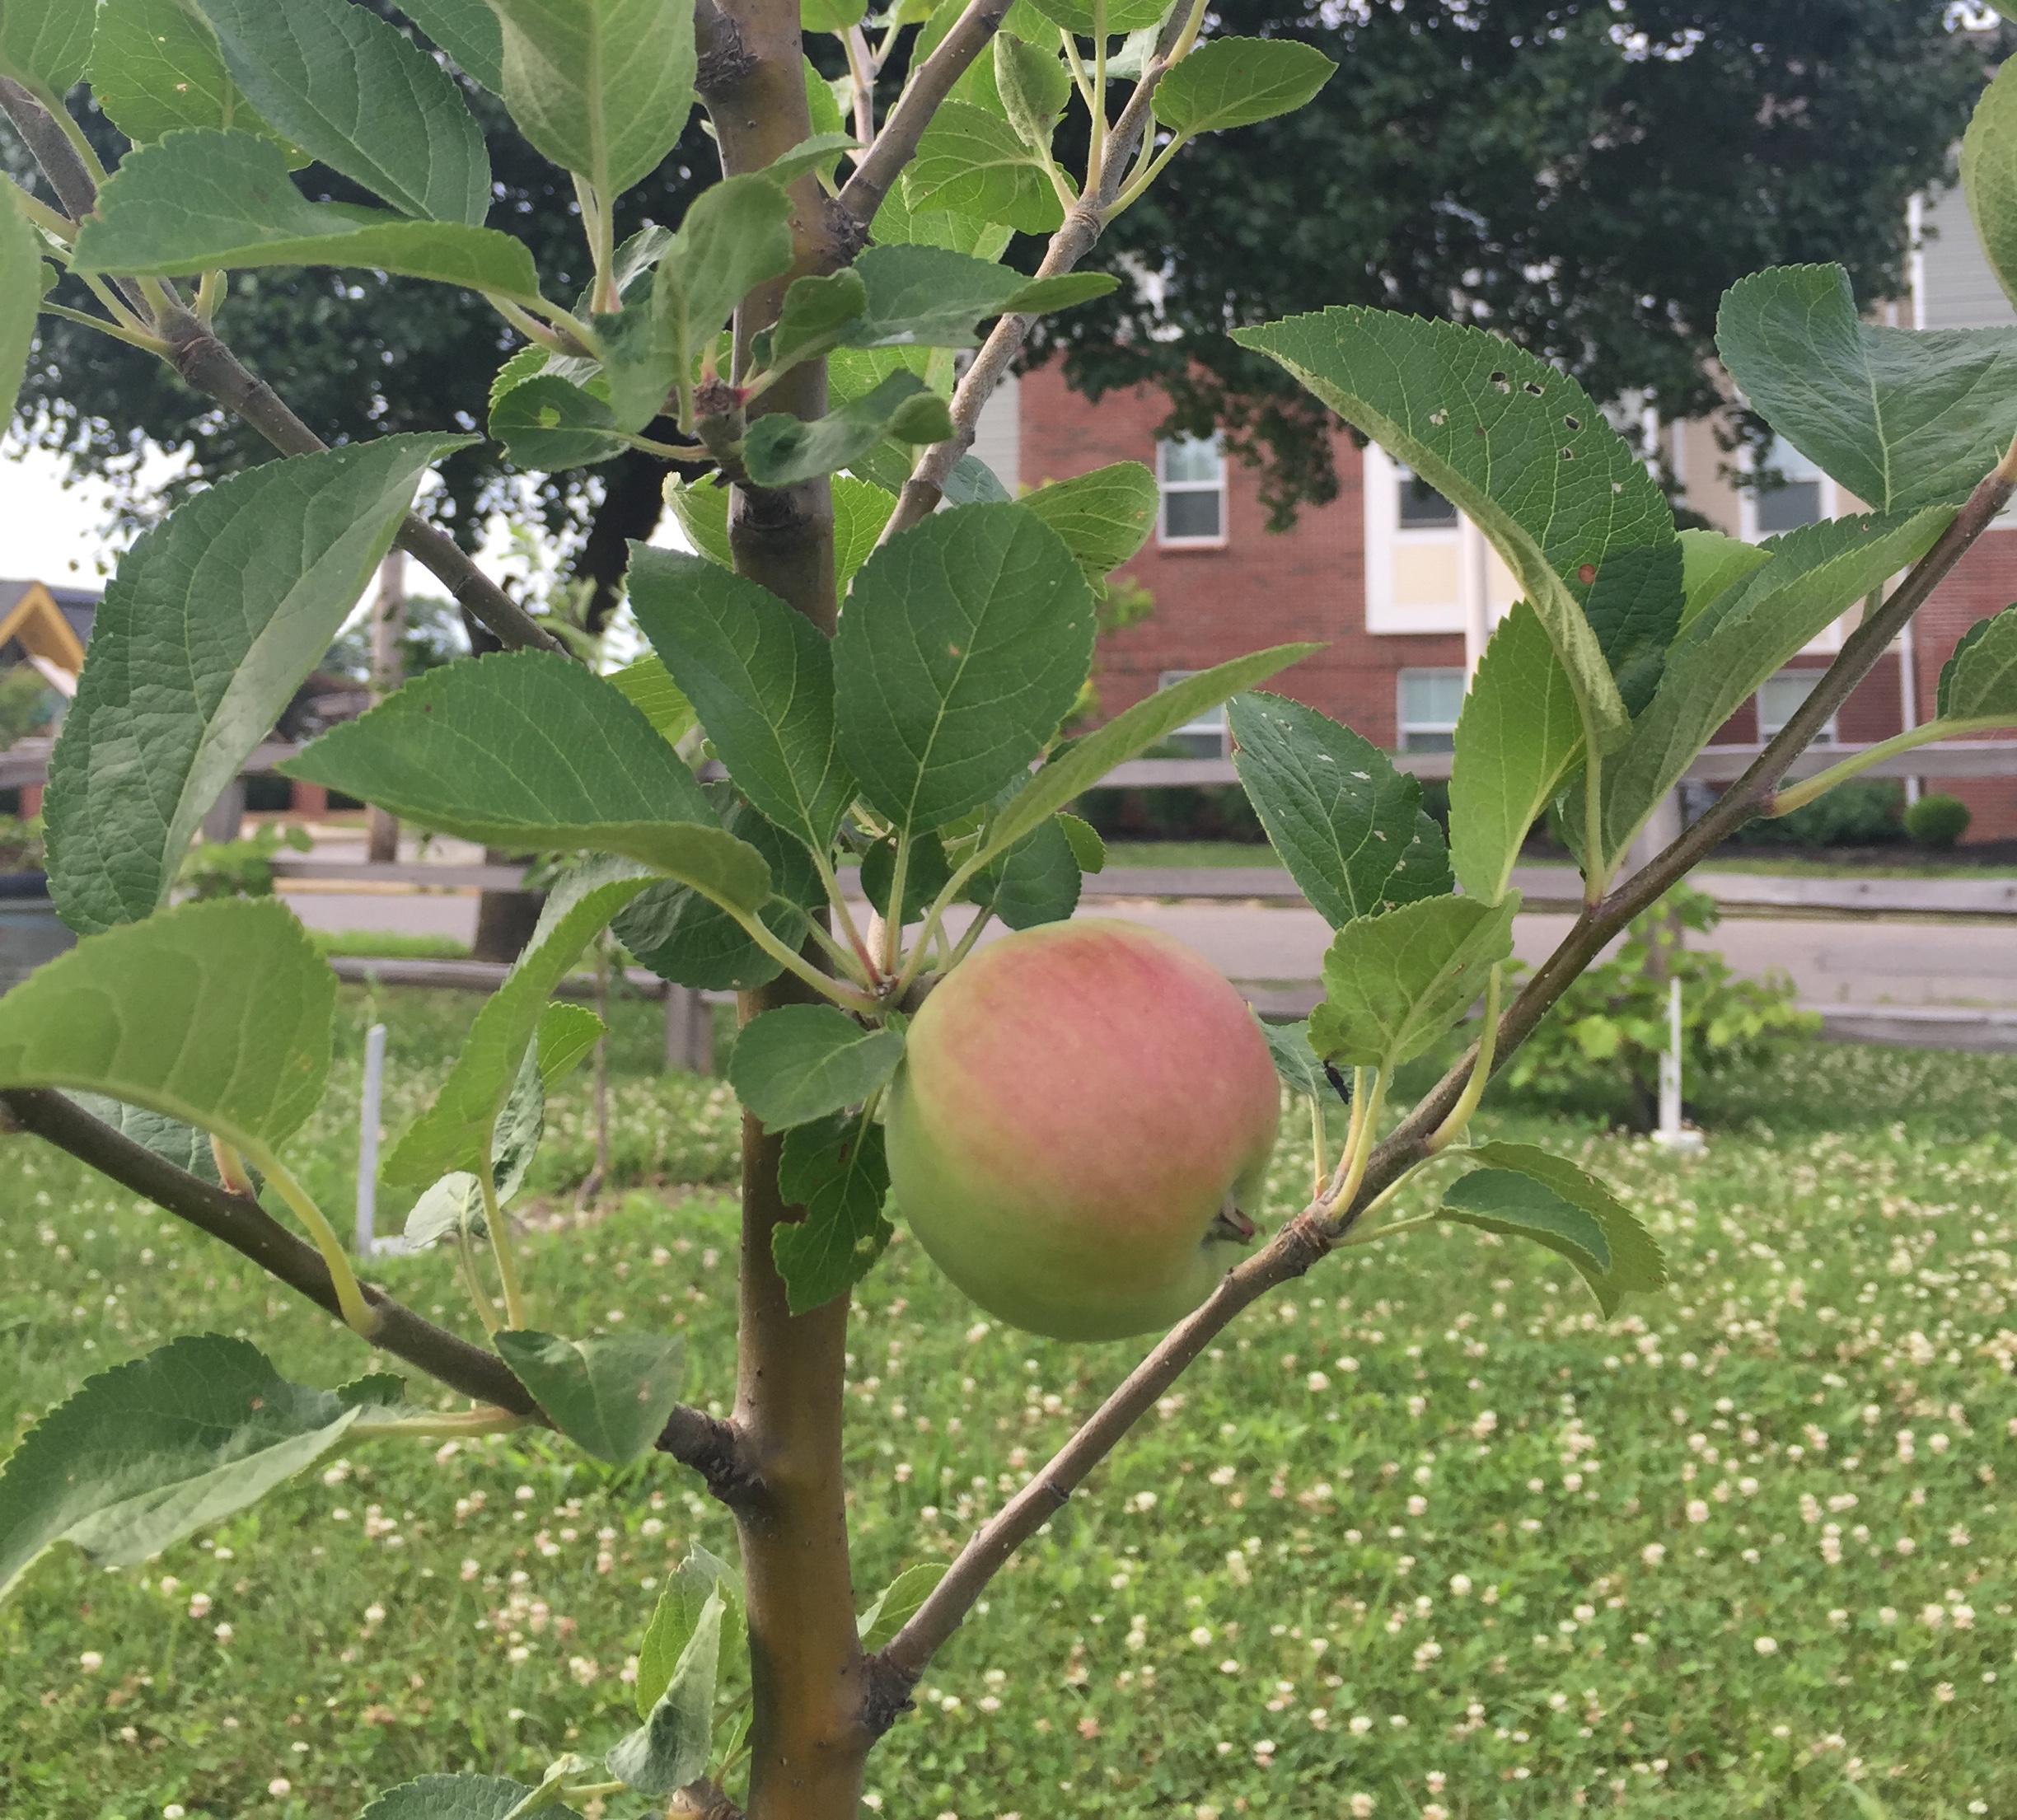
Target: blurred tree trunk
<point>388,625</point>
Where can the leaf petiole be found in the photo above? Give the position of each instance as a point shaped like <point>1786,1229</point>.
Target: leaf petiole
<point>134,337</point>
<point>1786,802</point>
<point>451,1424</point>
<point>1364,1134</point>
<point>501,1247</point>
<point>56,225</point>
<point>359,1315</point>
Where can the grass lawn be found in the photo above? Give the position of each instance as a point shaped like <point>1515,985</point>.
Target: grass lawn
<point>1423,1530</point>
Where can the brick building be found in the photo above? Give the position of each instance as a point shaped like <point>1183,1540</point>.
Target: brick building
<point>1379,574</point>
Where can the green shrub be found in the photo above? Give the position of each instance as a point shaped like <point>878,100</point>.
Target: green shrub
<point>1937,821</point>
<point>1864,812</point>
<point>238,869</point>
<point>1602,1043</point>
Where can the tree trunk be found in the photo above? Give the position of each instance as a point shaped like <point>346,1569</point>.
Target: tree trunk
<point>505,920</point>
<point>808,1742</point>
<point>388,622</point>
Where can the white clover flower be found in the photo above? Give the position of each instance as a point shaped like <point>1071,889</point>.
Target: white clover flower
<point>1652,1554</point>
<point>91,1662</point>
<point>280,1785</point>
<point>1765,1646</point>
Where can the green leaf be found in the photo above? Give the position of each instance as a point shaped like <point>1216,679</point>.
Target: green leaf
<point>1104,516</point>
<point>816,312</point>
<point>972,162</point>
<point>1295,1060</point>
<point>682,937</point>
<point>1347,824</point>
<point>836,1169</point>
<point>182,1144</point>
<point>734,236</point>
<point>1517,445</point>
<point>1815,575</point>
<point>834,16</point>
<point>45,43</point>
<point>925,877</point>
<point>455,1797</point>
<point>566,1033</point>
<point>547,423</point>
<point>1979,681</point>
<point>798,1063</point>
<point>1087,846</point>
<point>526,748</point>
<point>1505,1202</point>
<point>215,1013</point>
<point>929,297</point>
<point>1122,16</point>
<point>1637,1263</point>
<point>453,1205</point>
<point>215,618</point>
<point>356,94</point>
<point>820,103</point>
<point>964,645</point>
<point>469,31</point>
<point>23,279</point>
<point>780,450</point>
<point>1711,564</point>
<point>1037,881</point>
<point>156,65</point>
<point>897,1603</point>
<point>197,200</point>
<point>648,686</point>
<point>1034,85</point>
<point>611,1396</point>
<point>602,87</point>
<point>677,1616</point>
<point>760,676</point>
<point>860,509</point>
<point>671,1748</point>
<point>820,152</point>
<point>1133,730</point>
<point>973,482</point>
<point>456,1131</point>
<point>146,1453</point>
<point>1234,81</point>
<point>1519,737</point>
<point>1989,174</point>
<point>1393,983</point>
<point>897,223</point>
<point>1902,418</point>
<point>702,510</point>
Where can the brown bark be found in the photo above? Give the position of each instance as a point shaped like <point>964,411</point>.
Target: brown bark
<point>807,1739</point>
<point>388,623</point>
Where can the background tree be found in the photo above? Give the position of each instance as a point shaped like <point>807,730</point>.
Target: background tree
<point>1588,179</point>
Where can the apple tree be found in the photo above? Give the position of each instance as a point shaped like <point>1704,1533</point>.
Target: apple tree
<point>876,679</point>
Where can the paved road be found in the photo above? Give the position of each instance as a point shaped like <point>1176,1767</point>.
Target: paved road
<point>1831,962</point>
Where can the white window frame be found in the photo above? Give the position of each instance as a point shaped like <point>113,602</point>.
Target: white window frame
<point>1747,496</point>
<point>1830,733</point>
<point>1165,488</point>
<point>1212,723</point>
<point>1379,488</point>
<point>1403,727</point>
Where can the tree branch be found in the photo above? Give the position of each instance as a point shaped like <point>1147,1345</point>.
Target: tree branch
<point>206,363</point>
<point>694,1439</point>
<point>1308,1238</point>
<point>895,146</point>
<point>1071,243</point>
<point>1293,1251</point>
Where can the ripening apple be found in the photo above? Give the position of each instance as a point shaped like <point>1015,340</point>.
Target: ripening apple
<point>1083,1113</point>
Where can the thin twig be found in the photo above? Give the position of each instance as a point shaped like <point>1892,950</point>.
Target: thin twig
<point>861,194</point>
<point>711,1447</point>
<point>1071,243</point>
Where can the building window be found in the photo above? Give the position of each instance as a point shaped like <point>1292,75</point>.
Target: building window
<point>1787,491</point>
<point>1430,700</point>
<point>1779,697</point>
<point>1203,737</point>
<point>1414,554</point>
<point>1192,470</point>
<point>1421,507</point>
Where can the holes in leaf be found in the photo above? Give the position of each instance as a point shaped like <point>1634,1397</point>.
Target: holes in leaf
<point>1502,382</point>
<point>1568,455</point>
<point>1439,419</point>
<point>1574,423</point>
<point>1531,388</point>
